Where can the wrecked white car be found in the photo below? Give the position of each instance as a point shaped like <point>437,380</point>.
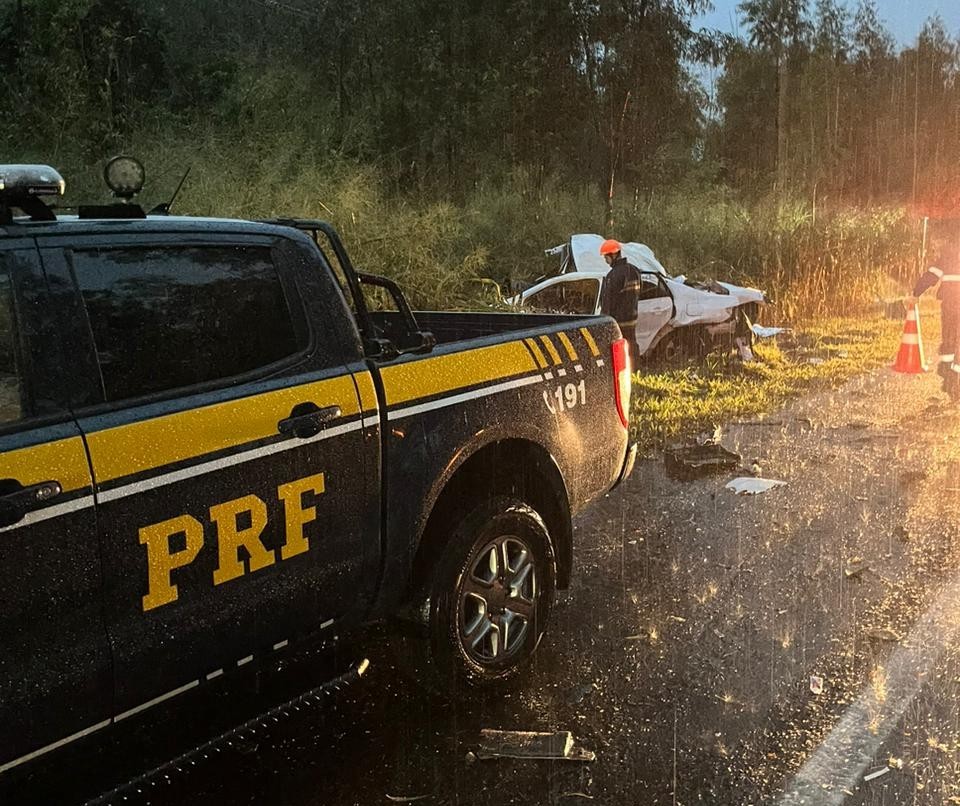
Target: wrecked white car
<point>674,314</point>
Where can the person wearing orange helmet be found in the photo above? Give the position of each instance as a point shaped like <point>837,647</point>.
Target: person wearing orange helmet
<point>621,292</point>
<point>946,247</point>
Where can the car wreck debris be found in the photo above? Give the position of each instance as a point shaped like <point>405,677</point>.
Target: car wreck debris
<point>692,461</point>
<point>532,745</point>
<point>753,486</point>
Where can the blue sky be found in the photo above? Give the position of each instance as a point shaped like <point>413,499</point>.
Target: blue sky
<point>903,18</point>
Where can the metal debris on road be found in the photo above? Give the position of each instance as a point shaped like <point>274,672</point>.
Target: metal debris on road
<point>578,694</point>
<point>688,462</point>
<point>753,486</point>
<point>855,568</point>
<point>884,634</point>
<point>816,684</point>
<point>531,745</point>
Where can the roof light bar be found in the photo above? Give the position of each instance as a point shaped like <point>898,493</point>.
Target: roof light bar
<point>25,181</point>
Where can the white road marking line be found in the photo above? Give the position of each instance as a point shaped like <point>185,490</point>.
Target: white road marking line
<point>863,728</point>
<point>60,743</point>
<point>562,373</point>
<point>409,411</point>
<point>326,624</point>
<point>51,512</point>
<point>280,644</point>
<point>600,362</point>
<point>549,376</point>
<point>245,661</point>
<point>215,674</point>
<point>578,368</point>
<point>157,700</point>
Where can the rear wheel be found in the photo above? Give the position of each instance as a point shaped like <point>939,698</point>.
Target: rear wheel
<point>490,597</point>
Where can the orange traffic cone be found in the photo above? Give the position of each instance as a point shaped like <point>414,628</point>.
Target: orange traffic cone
<point>910,358</point>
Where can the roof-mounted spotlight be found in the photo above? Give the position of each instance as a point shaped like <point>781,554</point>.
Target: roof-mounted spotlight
<point>124,176</point>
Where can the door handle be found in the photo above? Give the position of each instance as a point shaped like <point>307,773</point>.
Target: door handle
<point>16,500</point>
<point>307,420</point>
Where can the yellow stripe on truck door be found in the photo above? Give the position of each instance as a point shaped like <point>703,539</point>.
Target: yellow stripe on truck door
<point>428,377</point>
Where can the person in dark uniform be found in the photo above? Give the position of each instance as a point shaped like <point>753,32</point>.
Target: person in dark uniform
<point>621,292</point>
<point>947,273</point>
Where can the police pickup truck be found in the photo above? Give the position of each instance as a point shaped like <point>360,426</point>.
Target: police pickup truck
<point>212,448</point>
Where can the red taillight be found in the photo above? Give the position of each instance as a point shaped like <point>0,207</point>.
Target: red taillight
<point>621,379</point>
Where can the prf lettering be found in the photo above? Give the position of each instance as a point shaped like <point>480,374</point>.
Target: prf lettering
<point>163,559</point>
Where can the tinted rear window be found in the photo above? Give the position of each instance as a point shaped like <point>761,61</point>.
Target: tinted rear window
<point>166,318</point>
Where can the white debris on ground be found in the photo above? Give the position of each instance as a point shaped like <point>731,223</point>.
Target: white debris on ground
<point>762,332</point>
<point>753,486</point>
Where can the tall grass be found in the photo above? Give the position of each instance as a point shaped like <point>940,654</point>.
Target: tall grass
<point>451,250</point>
<point>812,263</point>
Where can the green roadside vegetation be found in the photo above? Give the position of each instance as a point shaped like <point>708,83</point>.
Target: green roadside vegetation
<point>451,143</point>
<point>671,403</point>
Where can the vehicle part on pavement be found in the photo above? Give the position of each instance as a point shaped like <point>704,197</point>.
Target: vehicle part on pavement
<point>753,486</point>
<point>688,462</point>
<point>558,745</point>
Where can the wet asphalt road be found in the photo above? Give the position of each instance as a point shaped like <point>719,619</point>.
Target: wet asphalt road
<point>684,652</point>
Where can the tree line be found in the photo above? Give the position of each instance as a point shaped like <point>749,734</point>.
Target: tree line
<point>815,99</point>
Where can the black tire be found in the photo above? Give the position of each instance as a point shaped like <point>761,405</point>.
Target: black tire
<point>681,345</point>
<point>452,661</point>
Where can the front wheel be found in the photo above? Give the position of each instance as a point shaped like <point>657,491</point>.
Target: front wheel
<point>491,594</point>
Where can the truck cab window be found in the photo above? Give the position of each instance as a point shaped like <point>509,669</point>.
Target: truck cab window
<point>10,384</point>
<point>167,318</point>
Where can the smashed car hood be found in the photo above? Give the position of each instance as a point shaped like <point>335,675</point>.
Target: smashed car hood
<point>583,254</point>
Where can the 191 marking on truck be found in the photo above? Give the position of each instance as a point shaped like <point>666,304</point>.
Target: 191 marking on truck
<point>567,397</point>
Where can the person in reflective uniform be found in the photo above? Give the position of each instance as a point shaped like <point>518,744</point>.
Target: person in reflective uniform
<point>947,274</point>
<point>621,292</point>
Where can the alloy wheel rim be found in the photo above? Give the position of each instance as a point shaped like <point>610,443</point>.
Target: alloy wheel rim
<point>498,600</point>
